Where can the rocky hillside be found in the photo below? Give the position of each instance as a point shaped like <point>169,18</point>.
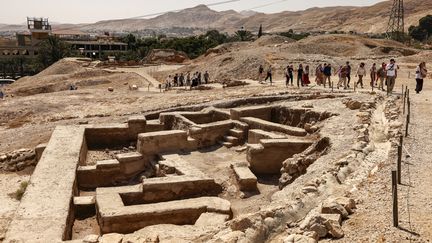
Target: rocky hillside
<point>370,19</point>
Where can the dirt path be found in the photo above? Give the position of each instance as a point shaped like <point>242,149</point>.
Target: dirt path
<point>372,221</point>
<point>146,72</point>
<point>416,192</point>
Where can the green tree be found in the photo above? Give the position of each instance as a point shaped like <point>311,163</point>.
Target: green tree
<point>423,30</point>
<point>426,23</point>
<point>51,50</point>
<point>260,31</point>
<point>243,35</point>
<point>214,36</point>
<point>131,41</point>
<point>417,33</point>
<point>294,36</point>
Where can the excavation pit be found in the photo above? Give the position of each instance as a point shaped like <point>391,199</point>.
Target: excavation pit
<point>183,168</point>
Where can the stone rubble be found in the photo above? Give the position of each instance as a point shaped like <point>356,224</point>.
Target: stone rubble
<point>17,160</point>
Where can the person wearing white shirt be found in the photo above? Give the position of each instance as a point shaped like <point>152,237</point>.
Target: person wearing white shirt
<point>421,73</point>
<point>361,72</point>
<point>391,70</point>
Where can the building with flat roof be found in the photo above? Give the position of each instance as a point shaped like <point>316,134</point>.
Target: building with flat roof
<point>39,29</point>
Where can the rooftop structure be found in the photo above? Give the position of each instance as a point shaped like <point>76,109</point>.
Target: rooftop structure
<point>39,29</point>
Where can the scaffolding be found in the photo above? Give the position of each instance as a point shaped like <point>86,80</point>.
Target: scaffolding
<point>41,24</point>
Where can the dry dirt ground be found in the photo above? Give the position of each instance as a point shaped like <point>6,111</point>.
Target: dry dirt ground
<point>240,60</point>
<point>26,121</point>
<point>373,219</point>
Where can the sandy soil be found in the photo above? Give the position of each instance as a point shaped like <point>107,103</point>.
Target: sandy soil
<point>9,184</point>
<point>373,220</point>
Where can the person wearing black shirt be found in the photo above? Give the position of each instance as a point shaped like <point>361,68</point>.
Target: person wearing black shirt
<point>300,76</point>
<point>176,77</point>
<point>349,73</point>
<point>260,73</point>
<point>269,75</point>
<point>181,80</point>
<point>291,74</point>
<point>327,75</point>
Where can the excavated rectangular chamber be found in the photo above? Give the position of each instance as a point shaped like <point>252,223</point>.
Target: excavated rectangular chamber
<point>176,193</point>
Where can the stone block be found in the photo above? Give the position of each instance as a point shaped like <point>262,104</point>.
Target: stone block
<point>296,238</point>
<point>153,143</point>
<point>132,163</point>
<point>111,238</point>
<point>348,203</point>
<point>128,219</point>
<point>261,112</point>
<point>107,164</point>
<point>246,180</point>
<point>53,179</point>
<point>154,126</point>
<point>334,208</point>
<point>211,219</point>
<point>84,206</point>
<point>267,157</point>
<point>255,135</point>
<point>91,239</point>
<point>256,123</point>
<point>136,125</point>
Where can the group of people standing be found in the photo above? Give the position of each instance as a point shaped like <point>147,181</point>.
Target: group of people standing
<point>380,76</point>
<point>187,80</point>
<point>384,75</point>
<point>302,75</point>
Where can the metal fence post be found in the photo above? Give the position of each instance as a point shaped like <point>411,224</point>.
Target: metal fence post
<point>395,199</point>
<point>399,162</point>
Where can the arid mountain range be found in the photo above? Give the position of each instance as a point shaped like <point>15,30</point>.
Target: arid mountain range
<point>370,19</point>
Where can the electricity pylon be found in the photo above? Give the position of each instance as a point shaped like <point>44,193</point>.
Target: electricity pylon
<point>396,24</point>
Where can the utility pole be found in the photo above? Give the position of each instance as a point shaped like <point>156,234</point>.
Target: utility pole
<point>396,24</point>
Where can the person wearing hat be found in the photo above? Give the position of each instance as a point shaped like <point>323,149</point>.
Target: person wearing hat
<point>391,70</point>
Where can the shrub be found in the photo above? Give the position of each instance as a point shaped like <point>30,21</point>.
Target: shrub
<point>18,194</point>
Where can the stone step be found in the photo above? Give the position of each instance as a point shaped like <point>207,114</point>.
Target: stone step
<point>236,133</point>
<point>232,140</point>
<point>129,157</point>
<point>226,144</point>
<point>84,201</point>
<point>240,125</point>
<point>84,206</point>
<point>246,180</point>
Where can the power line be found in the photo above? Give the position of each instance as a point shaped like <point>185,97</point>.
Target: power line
<point>178,10</point>
<point>154,14</point>
<point>266,5</point>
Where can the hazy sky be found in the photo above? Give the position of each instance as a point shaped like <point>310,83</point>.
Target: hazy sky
<point>89,11</point>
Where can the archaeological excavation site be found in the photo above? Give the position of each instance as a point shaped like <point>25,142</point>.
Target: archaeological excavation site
<point>242,170</point>
<point>285,122</point>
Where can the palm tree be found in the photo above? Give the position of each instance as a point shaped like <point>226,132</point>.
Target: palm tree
<point>244,35</point>
<point>51,50</point>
